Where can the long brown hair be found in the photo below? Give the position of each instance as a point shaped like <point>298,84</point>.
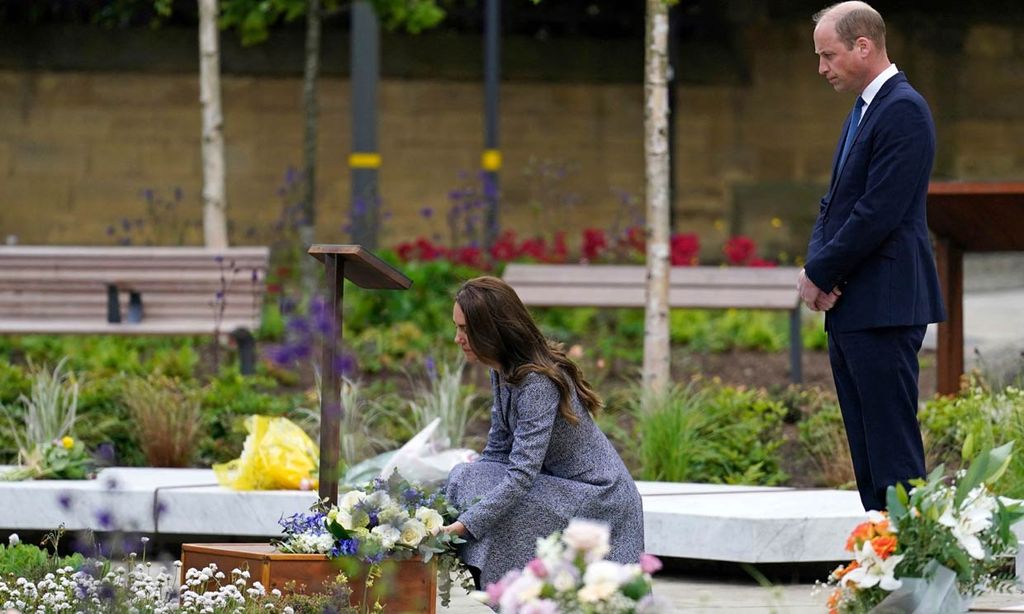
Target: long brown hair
<point>501,331</point>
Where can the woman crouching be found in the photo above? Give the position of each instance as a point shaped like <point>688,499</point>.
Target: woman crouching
<point>545,461</point>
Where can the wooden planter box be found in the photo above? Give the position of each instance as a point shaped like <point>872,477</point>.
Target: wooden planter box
<point>406,586</point>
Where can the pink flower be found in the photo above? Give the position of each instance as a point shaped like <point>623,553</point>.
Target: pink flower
<point>537,568</point>
<point>649,563</point>
<point>497,589</point>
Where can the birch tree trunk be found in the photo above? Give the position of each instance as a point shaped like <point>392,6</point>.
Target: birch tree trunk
<point>214,202</point>
<point>307,225</point>
<point>656,337</point>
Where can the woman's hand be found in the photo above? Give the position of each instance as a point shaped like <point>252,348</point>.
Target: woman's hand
<point>455,528</point>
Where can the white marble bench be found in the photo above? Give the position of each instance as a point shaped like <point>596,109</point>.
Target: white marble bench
<point>147,500</point>
<point>748,524</point>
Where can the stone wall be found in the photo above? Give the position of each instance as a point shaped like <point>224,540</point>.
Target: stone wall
<point>78,149</point>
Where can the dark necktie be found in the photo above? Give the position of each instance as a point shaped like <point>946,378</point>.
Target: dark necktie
<point>851,130</point>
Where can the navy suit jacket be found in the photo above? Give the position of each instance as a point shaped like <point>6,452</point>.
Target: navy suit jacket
<point>871,236</point>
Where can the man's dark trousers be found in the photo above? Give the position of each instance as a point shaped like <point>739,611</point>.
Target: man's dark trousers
<point>875,372</point>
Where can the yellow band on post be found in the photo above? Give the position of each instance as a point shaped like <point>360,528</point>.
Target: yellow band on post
<point>490,160</point>
<point>364,160</point>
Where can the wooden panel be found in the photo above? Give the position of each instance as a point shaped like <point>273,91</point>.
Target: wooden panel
<point>150,312</point>
<point>135,252</point>
<point>362,267</point>
<point>406,586</point>
<point>629,275</point>
<point>624,286</point>
<point>79,326</point>
<point>46,289</point>
<point>699,298</point>
<point>978,216</point>
<point>137,278</point>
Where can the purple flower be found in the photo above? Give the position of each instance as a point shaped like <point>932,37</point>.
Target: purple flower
<point>345,364</point>
<point>427,212</point>
<point>344,547</point>
<point>431,367</point>
<point>105,519</point>
<point>281,355</point>
<point>65,501</point>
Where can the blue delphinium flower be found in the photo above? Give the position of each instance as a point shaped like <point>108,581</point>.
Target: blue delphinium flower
<point>344,547</point>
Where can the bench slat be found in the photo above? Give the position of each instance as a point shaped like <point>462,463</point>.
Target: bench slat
<point>78,326</point>
<point>47,289</point>
<point>628,275</point>
<point>633,296</point>
<point>93,298</point>
<point>143,252</point>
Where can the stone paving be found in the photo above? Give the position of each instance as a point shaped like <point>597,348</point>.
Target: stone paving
<point>690,595</point>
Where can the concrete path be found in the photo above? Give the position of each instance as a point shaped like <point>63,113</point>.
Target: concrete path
<point>705,596</point>
<point>689,595</point>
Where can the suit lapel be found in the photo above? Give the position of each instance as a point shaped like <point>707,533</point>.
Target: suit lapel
<point>869,113</point>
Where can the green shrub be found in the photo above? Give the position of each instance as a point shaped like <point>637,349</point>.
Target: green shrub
<point>427,304</point>
<point>711,433</point>
<point>822,438</point>
<point>226,401</point>
<point>165,414</point>
<point>33,563</point>
<point>359,432</point>
<point>50,408</point>
<point>444,396</point>
<point>392,348</point>
<point>976,419</point>
<point>109,355</point>
<point>14,383</point>
<point>722,330</point>
<point>103,420</point>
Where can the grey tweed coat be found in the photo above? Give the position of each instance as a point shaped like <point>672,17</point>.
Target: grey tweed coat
<point>536,472</point>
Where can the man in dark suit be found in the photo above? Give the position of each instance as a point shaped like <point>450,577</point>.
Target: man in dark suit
<point>869,263</point>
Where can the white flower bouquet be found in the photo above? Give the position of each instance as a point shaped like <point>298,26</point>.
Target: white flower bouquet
<point>944,541</point>
<point>570,575</point>
<point>385,519</point>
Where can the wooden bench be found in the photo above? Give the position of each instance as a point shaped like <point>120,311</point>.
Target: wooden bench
<point>580,285</point>
<point>133,291</point>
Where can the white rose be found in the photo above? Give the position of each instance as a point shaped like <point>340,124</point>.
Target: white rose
<point>564,578</point>
<point>605,572</point>
<point>13,540</point>
<point>388,535</point>
<point>592,593</point>
<point>413,532</point>
<point>350,499</point>
<point>589,537</point>
<point>430,519</point>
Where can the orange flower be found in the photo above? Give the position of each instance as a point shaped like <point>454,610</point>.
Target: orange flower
<point>841,572</point>
<point>862,533</point>
<point>833,601</point>
<point>882,528</point>
<point>884,545</point>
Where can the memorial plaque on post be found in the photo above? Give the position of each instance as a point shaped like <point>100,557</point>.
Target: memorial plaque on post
<point>365,270</point>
